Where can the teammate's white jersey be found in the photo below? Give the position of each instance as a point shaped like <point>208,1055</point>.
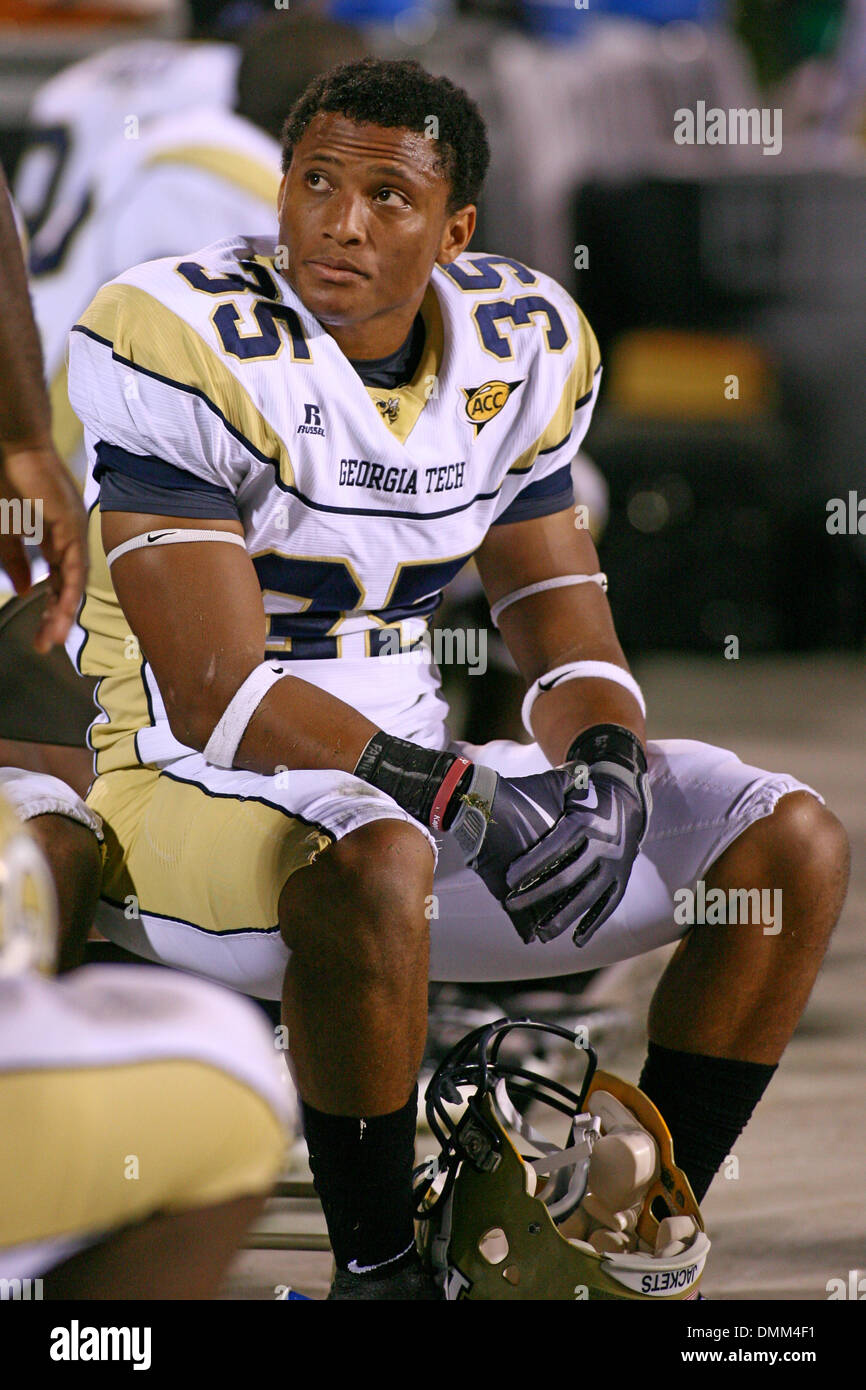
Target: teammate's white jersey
<point>112,1062</point>
<point>186,178</point>
<point>208,374</point>
<point>90,104</point>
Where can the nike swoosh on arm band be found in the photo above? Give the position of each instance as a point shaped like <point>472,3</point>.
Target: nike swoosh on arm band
<point>577,670</point>
<point>223,743</point>
<point>176,537</point>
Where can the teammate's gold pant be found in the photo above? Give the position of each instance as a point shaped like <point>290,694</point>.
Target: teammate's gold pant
<point>127,1091</point>
<point>89,1150</point>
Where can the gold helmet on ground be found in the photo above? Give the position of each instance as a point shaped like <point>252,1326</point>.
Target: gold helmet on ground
<point>604,1215</point>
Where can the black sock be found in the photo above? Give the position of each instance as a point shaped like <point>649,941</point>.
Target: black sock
<point>362,1171</point>
<point>706,1102</point>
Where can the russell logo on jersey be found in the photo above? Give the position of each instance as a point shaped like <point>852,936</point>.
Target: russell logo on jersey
<point>482,404</point>
<point>312,420</point>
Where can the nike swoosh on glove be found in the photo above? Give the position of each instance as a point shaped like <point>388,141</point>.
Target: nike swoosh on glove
<point>553,855</point>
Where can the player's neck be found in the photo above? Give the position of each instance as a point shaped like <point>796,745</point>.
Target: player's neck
<point>376,337</point>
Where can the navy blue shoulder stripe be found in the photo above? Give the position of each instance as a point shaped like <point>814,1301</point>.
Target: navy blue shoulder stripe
<point>588,397</point>
<point>187,390</point>
<point>542,498</point>
<point>274,463</point>
<point>577,405</point>
<point>143,483</point>
<point>147,468</point>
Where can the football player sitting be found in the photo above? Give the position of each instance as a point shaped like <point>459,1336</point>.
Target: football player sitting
<point>359,408</point>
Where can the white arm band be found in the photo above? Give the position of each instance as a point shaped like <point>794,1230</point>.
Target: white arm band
<point>600,670</point>
<point>174,536</point>
<point>559,582</point>
<point>222,745</point>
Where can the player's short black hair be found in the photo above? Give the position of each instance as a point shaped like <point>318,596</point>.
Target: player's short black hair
<point>400,94</point>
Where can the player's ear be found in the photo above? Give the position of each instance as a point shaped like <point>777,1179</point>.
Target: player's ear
<point>457,234</point>
<point>282,192</point>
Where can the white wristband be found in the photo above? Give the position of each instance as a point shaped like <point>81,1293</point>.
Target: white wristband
<point>575,670</point>
<point>558,582</point>
<point>222,745</point>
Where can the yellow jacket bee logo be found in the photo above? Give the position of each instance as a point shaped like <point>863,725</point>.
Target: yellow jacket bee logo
<point>483,402</point>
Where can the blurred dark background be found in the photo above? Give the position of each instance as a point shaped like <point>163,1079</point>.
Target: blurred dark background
<point>724,280</point>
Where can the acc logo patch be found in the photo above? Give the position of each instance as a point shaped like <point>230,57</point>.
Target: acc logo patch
<point>484,402</point>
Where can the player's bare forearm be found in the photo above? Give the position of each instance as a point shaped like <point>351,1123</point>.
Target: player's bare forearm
<point>197,612</point>
<point>556,626</point>
<point>25,421</point>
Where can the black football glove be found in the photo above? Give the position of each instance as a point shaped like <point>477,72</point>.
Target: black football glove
<point>556,849</point>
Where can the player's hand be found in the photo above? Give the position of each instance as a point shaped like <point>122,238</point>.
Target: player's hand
<point>556,850</point>
<point>38,473</point>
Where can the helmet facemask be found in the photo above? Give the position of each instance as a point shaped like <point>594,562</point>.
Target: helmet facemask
<point>498,1222</point>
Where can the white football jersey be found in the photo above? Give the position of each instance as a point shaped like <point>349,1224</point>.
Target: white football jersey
<point>135,154</point>
<point>358,504</point>
<point>184,179</point>
<point>106,97</point>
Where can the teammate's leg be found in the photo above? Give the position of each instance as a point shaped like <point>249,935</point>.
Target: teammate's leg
<point>68,834</point>
<point>355,1002</point>
<point>178,1255</point>
<point>167,1062</point>
<point>731,997</point>
<point>73,856</point>
<point>74,766</point>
